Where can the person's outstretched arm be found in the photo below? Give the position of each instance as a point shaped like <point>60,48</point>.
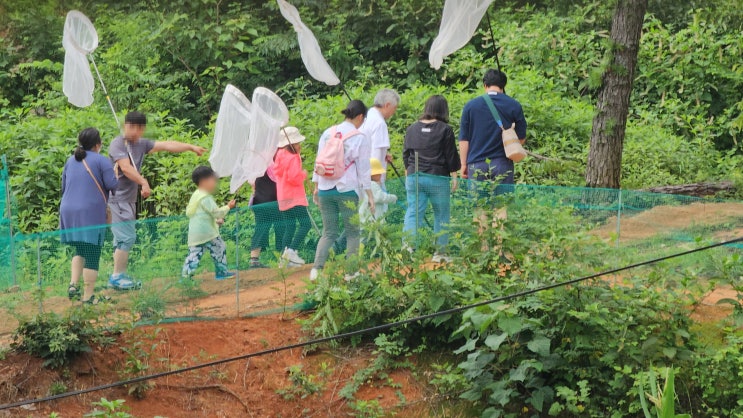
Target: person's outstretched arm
<point>387,198</point>
<point>132,174</point>
<point>217,212</point>
<point>177,147</point>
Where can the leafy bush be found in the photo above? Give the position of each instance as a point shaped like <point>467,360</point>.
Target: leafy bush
<point>55,338</point>
<point>588,341</point>
<point>109,409</point>
<point>576,350</point>
<point>716,379</point>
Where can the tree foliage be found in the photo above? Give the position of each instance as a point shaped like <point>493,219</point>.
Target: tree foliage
<point>173,60</point>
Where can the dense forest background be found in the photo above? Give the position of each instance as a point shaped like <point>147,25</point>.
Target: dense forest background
<point>172,60</point>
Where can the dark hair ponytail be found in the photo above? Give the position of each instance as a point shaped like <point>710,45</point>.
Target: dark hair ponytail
<point>87,140</point>
<point>354,108</point>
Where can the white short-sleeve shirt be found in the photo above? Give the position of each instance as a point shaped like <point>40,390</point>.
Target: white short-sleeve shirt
<point>375,128</point>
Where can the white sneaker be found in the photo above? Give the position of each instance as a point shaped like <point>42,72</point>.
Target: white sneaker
<point>441,259</point>
<point>292,257</point>
<point>314,274</point>
<point>351,277</point>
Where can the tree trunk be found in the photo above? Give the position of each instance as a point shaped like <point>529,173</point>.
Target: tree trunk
<point>604,168</point>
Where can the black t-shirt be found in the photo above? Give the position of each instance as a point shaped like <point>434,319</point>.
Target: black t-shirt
<point>436,147</point>
<point>265,190</point>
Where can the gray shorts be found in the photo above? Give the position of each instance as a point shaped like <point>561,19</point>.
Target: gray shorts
<point>123,217</point>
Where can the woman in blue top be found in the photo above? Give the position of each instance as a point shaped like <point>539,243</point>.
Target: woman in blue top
<point>87,179</point>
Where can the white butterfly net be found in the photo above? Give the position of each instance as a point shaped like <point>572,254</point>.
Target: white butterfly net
<point>312,56</point>
<point>231,131</point>
<point>269,115</point>
<point>458,23</point>
<point>79,39</point>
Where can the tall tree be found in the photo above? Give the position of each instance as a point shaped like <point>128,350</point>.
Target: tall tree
<point>604,168</point>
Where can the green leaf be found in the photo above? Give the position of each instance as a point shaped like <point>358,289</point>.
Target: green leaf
<point>468,346</point>
<point>540,345</point>
<point>502,396</point>
<point>520,373</point>
<point>668,407</point>
<point>492,413</point>
<point>494,341</point>
<point>511,325</point>
<point>669,352</point>
<point>435,302</point>
<point>539,396</point>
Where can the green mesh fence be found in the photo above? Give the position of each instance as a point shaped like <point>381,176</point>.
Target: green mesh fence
<point>630,225</point>
<point>6,229</point>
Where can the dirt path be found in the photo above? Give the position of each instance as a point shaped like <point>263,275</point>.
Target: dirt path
<point>259,291</point>
<point>662,220</point>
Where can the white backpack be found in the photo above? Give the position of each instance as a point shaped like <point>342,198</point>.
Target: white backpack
<point>331,160</point>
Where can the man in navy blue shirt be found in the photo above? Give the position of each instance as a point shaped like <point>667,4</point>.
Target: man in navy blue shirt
<point>480,143</point>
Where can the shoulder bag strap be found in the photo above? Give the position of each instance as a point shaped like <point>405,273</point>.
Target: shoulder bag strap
<point>493,110</point>
<point>129,152</point>
<point>95,180</point>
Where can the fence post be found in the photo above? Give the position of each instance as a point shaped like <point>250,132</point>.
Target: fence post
<point>237,263</point>
<point>38,275</point>
<point>9,214</point>
<point>619,217</point>
<point>417,213</point>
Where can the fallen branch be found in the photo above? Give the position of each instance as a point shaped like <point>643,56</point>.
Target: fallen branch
<point>208,387</point>
<point>695,189</point>
<point>543,158</point>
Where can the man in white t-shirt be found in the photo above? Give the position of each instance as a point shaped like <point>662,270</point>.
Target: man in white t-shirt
<point>375,127</point>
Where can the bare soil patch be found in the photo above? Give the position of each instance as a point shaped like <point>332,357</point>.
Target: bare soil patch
<point>665,219</point>
<point>247,388</point>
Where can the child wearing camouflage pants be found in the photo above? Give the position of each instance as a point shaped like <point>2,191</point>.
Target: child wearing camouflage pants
<point>203,227</point>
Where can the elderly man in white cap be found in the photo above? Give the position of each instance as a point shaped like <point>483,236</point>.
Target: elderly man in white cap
<point>291,196</point>
<point>375,127</point>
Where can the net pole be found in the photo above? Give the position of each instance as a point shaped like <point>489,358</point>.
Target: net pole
<point>492,38</point>
<point>237,264</point>
<point>105,91</point>
<point>343,88</point>
<point>9,214</point>
<point>38,275</point>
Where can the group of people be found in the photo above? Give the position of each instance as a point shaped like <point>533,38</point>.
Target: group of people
<point>348,177</point>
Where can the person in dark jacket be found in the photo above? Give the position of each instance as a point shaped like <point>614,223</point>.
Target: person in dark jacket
<point>480,138</point>
<point>87,179</point>
<point>265,206</point>
<point>431,163</point>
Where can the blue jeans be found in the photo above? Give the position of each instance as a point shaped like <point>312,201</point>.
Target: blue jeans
<point>436,190</point>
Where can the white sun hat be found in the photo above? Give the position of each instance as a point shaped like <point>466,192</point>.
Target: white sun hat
<point>290,135</point>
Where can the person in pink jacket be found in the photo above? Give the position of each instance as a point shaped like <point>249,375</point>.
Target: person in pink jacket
<point>290,193</point>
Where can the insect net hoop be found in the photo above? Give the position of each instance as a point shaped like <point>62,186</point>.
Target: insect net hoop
<point>79,33</point>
